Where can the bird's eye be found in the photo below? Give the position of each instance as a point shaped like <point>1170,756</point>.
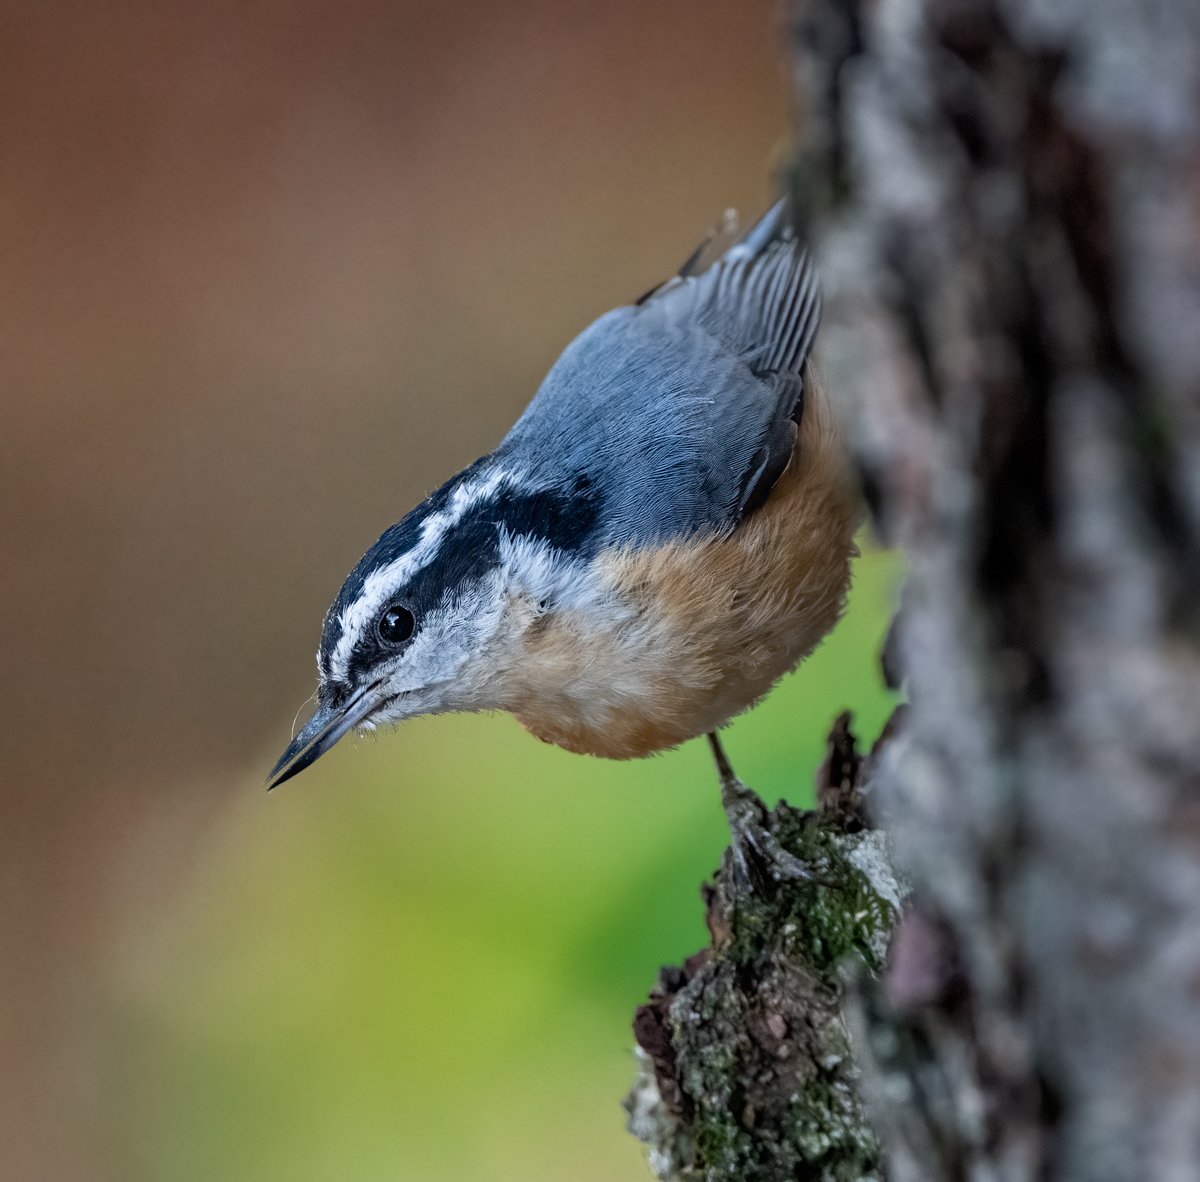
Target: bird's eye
<point>396,624</point>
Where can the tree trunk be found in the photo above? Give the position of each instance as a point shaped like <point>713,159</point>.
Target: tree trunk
<point>1006,202</point>
<point>1005,205</point>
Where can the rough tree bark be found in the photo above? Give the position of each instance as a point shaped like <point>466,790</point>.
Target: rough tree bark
<point>1005,203</point>
<point>745,1065</point>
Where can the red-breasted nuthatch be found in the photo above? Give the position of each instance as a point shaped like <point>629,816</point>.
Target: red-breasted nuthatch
<point>665,532</point>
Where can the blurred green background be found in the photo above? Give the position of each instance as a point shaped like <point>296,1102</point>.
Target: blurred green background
<point>272,270</point>
<point>421,960</point>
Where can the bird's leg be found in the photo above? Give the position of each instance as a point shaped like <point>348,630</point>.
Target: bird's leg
<point>757,856</point>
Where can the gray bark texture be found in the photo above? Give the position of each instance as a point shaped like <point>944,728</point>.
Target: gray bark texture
<point>745,1064</point>
<point>1005,204</point>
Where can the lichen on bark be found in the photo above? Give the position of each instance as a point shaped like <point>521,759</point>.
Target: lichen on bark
<point>745,1069</point>
<point>1002,199</point>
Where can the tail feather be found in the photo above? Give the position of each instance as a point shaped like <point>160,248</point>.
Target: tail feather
<point>759,294</point>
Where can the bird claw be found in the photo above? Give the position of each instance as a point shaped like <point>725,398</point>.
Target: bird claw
<point>757,857</point>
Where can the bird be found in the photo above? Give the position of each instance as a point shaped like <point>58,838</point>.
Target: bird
<point>665,532</point>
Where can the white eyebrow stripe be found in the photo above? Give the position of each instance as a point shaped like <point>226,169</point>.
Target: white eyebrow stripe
<point>381,584</point>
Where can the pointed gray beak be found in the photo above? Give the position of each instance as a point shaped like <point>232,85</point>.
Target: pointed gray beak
<point>321,732</point>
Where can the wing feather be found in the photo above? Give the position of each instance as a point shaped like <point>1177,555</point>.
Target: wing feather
<point>681,411</point>
<point>760,297</point>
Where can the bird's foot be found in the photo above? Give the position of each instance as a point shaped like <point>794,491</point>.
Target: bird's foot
<point>757,859</point>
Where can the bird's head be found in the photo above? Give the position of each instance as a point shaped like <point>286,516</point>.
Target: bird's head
<point>430,620</point>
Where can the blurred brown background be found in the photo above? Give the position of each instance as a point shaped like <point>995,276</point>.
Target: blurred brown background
<point>271,271</point>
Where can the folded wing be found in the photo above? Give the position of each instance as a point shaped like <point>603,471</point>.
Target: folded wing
<point>680,412</point>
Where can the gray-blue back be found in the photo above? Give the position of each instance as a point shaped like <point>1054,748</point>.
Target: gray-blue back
<point>675,411</point>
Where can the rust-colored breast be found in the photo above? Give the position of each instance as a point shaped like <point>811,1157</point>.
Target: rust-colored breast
<point>695,632</point>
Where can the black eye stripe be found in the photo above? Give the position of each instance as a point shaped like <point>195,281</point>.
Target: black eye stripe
<point>395,541</point>
<point>564,516</point>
